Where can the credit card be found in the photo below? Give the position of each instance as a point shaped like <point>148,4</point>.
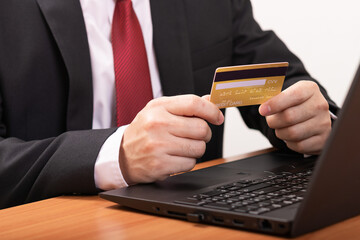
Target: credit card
<point>247,84</point>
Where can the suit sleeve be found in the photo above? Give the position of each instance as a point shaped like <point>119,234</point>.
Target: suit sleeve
<point>35,170</point>
<point>253,45</point>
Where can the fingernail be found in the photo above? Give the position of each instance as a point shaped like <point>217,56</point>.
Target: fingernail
<point>268,109</point>
<point>221,118</point>
<point>264,109</point>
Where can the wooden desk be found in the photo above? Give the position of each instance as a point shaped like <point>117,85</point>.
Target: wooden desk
<point>89,217</point>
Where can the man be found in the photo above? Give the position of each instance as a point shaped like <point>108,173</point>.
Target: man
<point>59,69</point>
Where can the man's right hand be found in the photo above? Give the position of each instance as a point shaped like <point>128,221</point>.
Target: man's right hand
<point>166,137</point>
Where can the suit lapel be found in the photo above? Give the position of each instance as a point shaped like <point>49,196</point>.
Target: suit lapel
<point>66,23</point>
<point>172,46</point>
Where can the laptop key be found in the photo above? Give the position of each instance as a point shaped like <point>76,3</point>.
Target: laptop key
<point>212,193</point>
<point>217,198</point>
<point>276,206</point>
<point>264,204</point>
<point>253,196</point>
<point>260,211</point>
<point>241,209</point>
<point>256,187</point>
<point>189,201</point>
<point>267,190</point>
<point>217,205</point>
<point>252,208</point>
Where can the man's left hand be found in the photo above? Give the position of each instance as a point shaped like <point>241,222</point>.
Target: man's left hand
<point>300,116</point>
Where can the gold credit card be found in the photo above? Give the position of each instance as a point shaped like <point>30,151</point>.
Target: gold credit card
<point>247,84</point>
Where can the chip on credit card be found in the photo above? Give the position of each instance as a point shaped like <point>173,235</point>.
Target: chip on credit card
<point>247,84</point>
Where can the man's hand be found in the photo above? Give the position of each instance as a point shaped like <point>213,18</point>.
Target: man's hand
<point>300,116</point>
<point>166,137</point>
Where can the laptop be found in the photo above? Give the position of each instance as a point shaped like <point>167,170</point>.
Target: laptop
<point>274,193</point>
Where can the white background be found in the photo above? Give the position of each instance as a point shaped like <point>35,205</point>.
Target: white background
<point>324,34</point>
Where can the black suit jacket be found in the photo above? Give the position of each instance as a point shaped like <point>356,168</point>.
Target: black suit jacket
<point>47,147</point>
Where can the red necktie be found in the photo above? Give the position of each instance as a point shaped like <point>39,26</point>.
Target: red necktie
<point>132,76</point>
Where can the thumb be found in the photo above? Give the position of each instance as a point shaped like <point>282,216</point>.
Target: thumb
<point>207,97</point>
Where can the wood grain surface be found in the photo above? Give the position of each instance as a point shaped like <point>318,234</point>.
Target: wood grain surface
<point>89,217</point>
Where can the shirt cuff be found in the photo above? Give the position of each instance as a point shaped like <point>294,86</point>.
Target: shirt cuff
<point>333,116</point>
<point>107,172</point>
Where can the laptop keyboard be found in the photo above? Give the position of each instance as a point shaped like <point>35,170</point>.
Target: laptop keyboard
<point>254,196</point>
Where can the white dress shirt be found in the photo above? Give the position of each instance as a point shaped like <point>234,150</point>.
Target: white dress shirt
<point>98,16</point>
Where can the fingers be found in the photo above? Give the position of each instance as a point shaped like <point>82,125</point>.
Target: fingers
<point>206,97</point>
<point>166,137</point>
<point>172,165</point>
<point>185,147</point>
<point>292,96</point>
<point>308,137</point>
<point>291,116</point>
<point>302,131</point>
<point>178,164</point>
<point>157,121</point>
<point>158,158</point>
<point>193,106</point>
<point>300,116</point>
<point>190,127</point>
<point>310,146</point>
